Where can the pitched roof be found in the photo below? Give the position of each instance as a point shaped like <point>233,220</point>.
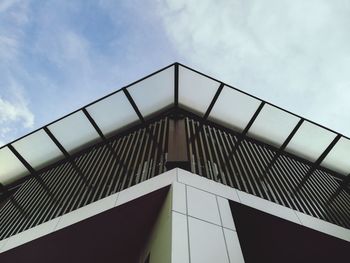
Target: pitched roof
<point>174,86</point>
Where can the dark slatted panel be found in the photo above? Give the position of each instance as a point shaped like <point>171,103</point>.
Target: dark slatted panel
<point>103,170</point>
<point>140,155</point>
<point>217,155</point>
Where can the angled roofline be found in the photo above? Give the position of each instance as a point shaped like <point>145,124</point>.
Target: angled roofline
<point>176,64</point>
<point>87,105</point>
<point>176,105</point>
<point>186,112</point>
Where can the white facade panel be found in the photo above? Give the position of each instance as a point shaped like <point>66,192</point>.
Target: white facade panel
<point>146,187</point>
<point>205,208</point>
<point>205,184</point>
<point>2,243</point>
<point>323,226</point>
<point>233,246</point>
<point>87,211</point>
<point>225,213</point>
<point>179,249</point>
<point>268,207</point>
<point>207,242</point>
<point>202,205</point>
<point>30,234</point>
<point>179,198</point>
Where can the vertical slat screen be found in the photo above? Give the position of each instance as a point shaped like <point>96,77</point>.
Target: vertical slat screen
<point>214,153</point>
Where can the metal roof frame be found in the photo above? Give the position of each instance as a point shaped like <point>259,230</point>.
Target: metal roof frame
<point>243,134</point>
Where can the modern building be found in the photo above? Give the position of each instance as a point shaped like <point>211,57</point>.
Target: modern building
<point>176,167</point>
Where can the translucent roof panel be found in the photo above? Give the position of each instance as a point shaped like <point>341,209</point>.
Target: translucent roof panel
<point>310,141</point>
<point>234,109</point>
<point>273,125</point>
<point>38,149</point>
<point>195,90</point>
<point>154,93</point>
<point>338,158</point>
<point>74,131</point>
<point>113,113</point>
<point>11,169</point>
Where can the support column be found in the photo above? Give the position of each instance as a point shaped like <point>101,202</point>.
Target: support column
<point>178,156</point>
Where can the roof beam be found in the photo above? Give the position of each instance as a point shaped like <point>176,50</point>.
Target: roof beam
<point>58,144</point>
<point>67,156</point>
<point>103,137</point>
<point>250,123</point>
<point>94,124</point>
<point>243,134</point>
<point>291,135</point>
<point>32,171</point>
<point>22,211</point>
<point>7,194</point>
<point>133,104</point>
<point>212,103</point>
<point>317,163</point>
<point>282,148</point>
<point>21,159</point>
<point>341,187</point>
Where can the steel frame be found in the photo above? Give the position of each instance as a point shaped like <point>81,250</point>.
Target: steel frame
<point>314,166</point>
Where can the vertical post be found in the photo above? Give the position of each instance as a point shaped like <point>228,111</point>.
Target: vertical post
<point>176,85</point>
<point>177,145</point>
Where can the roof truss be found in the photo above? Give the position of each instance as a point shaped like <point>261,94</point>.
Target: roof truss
<point>176,80</point>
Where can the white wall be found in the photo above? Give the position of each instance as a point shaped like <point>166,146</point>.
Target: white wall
<point>159,243</point>
<point>196,219</point>
<point>203,229</point>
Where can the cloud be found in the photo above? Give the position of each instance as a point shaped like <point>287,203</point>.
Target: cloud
<point>12,112</point>
<point>14,16</point>
<point>7,4</point>
<point>15,110</point>
<point>63,55</point>
<point>84,56</point>
<point>292,53</point>
<point>14,115</point>
<point>8,48</point>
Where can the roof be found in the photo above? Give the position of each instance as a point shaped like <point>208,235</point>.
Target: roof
<point>175,86</point>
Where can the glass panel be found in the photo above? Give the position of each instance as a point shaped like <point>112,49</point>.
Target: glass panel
<point>38,149</point>
<point>234,109</point>
<point>196,91</point>
<point>74,131</point>
<point>310,141</point>
<point>338,158</point>
<point>154,93</point>
<point>113,113</point>
<point>273,125</point>
<point>11,168</point>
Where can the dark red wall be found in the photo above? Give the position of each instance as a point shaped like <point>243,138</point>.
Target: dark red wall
<point>266,238</point>
<point>116,235</point>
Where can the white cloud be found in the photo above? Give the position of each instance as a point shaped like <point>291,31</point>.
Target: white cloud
<point>8,48</point>
<point>295,54</point>
<point>13,112</point>
<point>14,115</point>
<point>14,16</point>
<point>7,4</point>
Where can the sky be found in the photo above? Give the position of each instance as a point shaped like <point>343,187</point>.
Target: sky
<point>57,56</point>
